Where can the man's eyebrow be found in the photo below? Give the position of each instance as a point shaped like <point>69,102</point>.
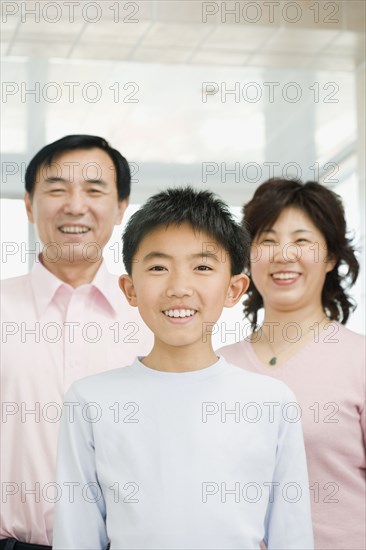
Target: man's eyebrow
<point>58,179</point>
<point>98,181</point>
<point>54,179</point>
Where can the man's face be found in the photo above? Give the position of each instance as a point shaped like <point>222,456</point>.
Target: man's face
<point>75,203</point>
<point>180,282</point>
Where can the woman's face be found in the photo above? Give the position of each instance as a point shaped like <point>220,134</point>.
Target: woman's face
<point>289,262</point>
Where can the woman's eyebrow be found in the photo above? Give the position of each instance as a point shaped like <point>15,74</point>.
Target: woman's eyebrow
<point>295,231</point>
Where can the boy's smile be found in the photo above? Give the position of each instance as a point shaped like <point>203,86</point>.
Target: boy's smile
<point>178,313</point>
<point>181,281</point>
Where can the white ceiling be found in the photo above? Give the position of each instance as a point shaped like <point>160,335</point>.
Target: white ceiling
<point>169,52</point>
<point>170,135</point>
<point>162,31</point>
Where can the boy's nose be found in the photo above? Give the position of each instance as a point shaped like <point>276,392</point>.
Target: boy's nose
<point>179,286</point>
<point>179,292</point>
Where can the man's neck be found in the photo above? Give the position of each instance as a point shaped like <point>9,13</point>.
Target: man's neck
<point>74,274</point>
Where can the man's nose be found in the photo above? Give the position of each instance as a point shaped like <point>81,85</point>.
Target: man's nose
<point>75,203</point>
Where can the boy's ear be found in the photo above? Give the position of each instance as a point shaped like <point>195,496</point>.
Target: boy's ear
<point>128,289</point>
<point>238,286</point>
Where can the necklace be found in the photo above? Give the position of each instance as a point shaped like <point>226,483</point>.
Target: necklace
<point>273,359</point>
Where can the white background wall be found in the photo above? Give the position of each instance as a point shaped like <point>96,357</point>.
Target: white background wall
<point>287,98</point>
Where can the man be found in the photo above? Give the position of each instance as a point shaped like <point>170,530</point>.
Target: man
<point>63,321</point>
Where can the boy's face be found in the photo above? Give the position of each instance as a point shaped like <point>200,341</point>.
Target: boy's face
<point>180,282</point>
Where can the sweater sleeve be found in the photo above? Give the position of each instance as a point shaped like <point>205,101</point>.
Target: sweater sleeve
<point>363,423</point>
<point>288,519</point>
<point>80,513</point>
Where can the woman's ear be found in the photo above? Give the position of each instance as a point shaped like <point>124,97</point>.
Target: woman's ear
<point>331,262</point>
<point>238,286</point>
<point>126,285</point>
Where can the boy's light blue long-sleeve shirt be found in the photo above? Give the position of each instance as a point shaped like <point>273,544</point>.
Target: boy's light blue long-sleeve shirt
<point>209,459</point>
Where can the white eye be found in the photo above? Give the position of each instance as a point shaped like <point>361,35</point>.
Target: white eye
<point>203,268</point>
<point>268,241</point>
<point>157,268</point>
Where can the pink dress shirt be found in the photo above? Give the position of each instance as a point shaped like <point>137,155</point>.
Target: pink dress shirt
<point>52,335</point>
<point>328,379</point>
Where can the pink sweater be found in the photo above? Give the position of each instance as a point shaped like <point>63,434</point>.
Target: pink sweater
<point>328,379</point>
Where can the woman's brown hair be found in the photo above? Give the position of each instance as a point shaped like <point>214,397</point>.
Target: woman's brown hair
<point>325,209</point>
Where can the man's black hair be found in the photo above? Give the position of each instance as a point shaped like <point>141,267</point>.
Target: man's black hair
<point>202,210</point>
<point>69,143</point>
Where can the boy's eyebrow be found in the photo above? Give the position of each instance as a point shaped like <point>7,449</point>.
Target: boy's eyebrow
<point>155,254</point>
<point>205,255</point>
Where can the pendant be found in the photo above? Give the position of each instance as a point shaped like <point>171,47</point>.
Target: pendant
<point>272,361</point>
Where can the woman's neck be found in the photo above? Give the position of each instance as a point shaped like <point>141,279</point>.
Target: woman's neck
<point>283,334</point>
<point>302,316</point>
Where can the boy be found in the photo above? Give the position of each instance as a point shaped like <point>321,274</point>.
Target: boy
<point>182,450</point>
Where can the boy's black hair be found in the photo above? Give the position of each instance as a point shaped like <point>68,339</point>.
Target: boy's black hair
<point>202,210</point>
<point>79,141</point>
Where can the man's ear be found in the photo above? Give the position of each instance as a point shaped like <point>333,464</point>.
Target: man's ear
<point>122,205</point>
<point>128,289</point>
<point>29,207</point>
<point>238,286</point>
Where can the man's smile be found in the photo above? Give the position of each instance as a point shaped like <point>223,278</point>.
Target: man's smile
<point>74,229</point>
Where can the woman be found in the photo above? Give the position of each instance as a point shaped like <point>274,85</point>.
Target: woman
<point>301,264</point>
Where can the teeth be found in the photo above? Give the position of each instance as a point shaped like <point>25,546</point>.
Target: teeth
<point>283,276</point>
<point>179,312</point>
<point>73,229</point>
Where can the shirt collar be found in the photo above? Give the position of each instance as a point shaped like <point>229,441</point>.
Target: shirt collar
<point>45,285</point>
<point>107,285</point>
